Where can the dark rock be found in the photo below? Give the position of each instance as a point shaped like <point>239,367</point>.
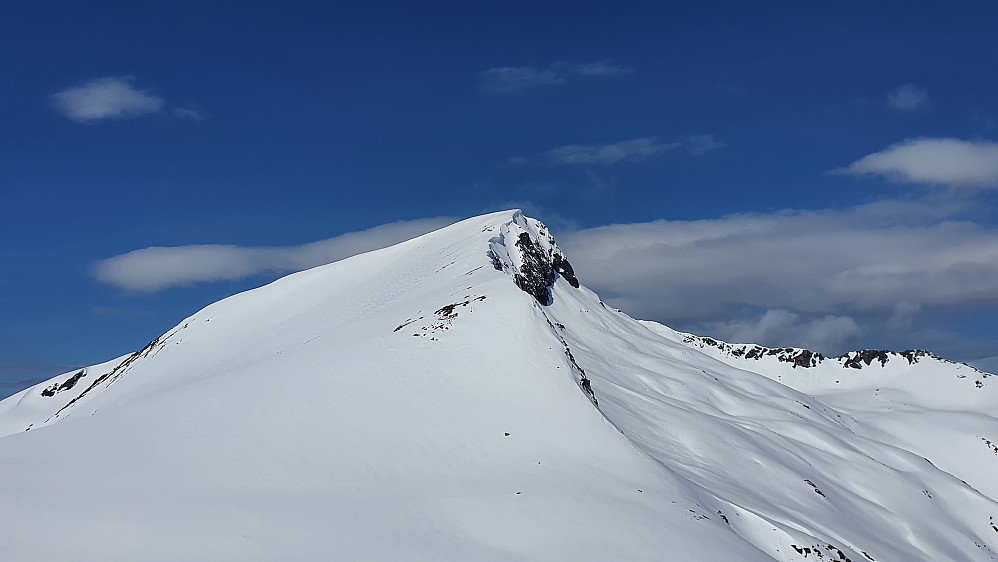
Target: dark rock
<point>858,359</point>
<point>536,273</point>
<point>816,490</point>
<point>913,355</point>
<point>539,268</point>
<point>66,385</point>
<point>71,381</point>
<point>587,387</point>
<point>564,268</point>
<point>806,358</point>
<point>114,373</point>
<point>496,262</point>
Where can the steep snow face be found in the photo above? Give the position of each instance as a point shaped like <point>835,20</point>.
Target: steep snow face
<point>806,469</point>
<point>461,396</point>
<point>941,410</point>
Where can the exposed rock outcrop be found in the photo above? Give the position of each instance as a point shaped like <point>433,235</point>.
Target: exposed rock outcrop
<point>805,358</point>
<point>526,250</point>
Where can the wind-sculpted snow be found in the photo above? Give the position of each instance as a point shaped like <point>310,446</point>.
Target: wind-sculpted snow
<point>460,396</point>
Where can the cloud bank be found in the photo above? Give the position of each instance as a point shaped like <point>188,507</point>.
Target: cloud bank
<point>793,277</point>
<point>828,280</point>
<point>157,268</point>
<point>112,97</point>
<point>908,97</point>
<point>517,79</point>
<point>936,161</point>
<point>778,325</point>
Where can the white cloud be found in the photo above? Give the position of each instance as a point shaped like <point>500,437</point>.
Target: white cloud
<point>908,97</point>
<point>634,149</point>
<point>157,268</point>
<point>516,79</point>
<point>885,262</point>
<point>939,161</point>
<point>777,325</point>
<point>112,97</point>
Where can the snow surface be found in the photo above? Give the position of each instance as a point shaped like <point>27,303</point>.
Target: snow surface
<point>415,403</point>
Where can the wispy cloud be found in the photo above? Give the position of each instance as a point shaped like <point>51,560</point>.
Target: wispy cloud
<point>112,97</point>
<point>634,149</point>
<point>115,97</point>
<point>514,79</point>
<point>599,69</point>
<point>517,79</point>
<point>702,144</point>
<point>189,113</point>
<point>157,268</point>
<point>628,150</point>
<point>938,161</point>
<point>908,97</point>
<point>885,262</point>
<point>122,312</point>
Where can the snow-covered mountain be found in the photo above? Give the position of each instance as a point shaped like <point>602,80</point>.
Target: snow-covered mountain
<point>462,396</point>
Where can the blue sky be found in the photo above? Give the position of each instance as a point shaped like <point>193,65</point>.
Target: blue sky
<point>791,173</point>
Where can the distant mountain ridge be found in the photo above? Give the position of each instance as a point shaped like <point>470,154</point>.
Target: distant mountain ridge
<point>800,357</point>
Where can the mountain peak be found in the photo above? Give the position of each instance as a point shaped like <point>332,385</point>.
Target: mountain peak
<point>525,249</point>
<point>437,400</point>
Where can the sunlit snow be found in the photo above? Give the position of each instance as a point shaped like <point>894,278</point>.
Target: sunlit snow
<point>415,403</point>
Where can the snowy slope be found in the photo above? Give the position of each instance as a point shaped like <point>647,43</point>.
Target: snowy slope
<point>461,396</point>
<point>941,410</point>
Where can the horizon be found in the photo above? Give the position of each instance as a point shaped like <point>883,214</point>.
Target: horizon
<point>790,178</point>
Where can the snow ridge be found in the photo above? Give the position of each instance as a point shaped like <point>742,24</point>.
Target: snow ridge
<point>416,403</point>
<point>805,358</point>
